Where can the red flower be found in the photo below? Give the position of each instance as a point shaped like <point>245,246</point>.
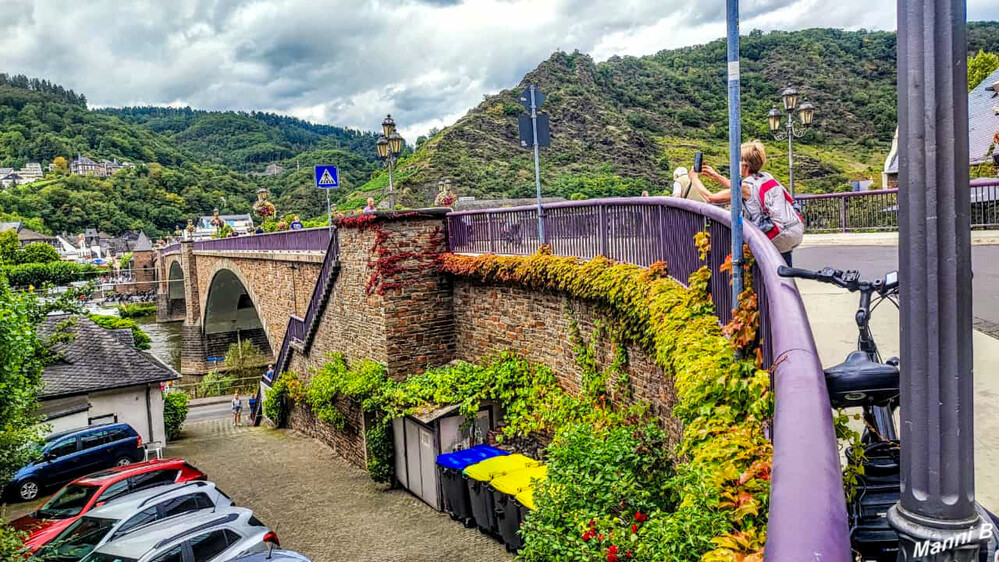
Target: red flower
<point>587,535</point>
<point>600,537</point>
<point>612,554</point>
<point>641,517</point>
<point>634,528</point>
<point>593,523</point>
<point>628,554</point>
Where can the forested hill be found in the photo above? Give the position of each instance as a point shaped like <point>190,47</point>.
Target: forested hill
<point>245,140</point>
<point>621,126</point>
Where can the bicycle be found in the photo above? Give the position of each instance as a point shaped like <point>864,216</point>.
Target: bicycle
<point>864,381</point>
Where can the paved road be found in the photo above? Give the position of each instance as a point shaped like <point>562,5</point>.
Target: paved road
<point>875,261</point>
<point>321,505</point>
<point>213,411</point>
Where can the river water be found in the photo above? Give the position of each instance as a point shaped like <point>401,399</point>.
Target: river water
<point>164,339</point>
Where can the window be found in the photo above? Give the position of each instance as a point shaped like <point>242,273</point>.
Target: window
<point>79,539</point>
<point>95,439</point>
<point>185,503</point>
<point>143,517</point>
<point>102,557</point>
<point>118,433</point>
<point>175,554</point>
<point>63,448</point>
<point>209,545</point>
<point>68,502</point>
<point>254,522</point>
<point>114,490</point>
<point>154,478</point>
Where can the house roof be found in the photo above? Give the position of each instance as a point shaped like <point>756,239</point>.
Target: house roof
<point>142,243</point>
<point>983,118</point>
<point>15,226</point>
<point>97,359</point>
<point>26,234</point>
<point>84,160</point>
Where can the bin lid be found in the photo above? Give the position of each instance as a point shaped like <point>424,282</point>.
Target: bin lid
<point>497,466</point>
<point>526,498</point>
<point>517,481</point>
<point>458,460</point>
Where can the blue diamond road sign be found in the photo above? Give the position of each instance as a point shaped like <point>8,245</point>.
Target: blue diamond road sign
<point>326,177</point>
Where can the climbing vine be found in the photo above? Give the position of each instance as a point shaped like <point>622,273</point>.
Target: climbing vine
<point>723,402</point>
<point>393,267</point>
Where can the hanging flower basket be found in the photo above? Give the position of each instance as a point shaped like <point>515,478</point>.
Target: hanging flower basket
<point>445,198</point>
<point>264,208</point>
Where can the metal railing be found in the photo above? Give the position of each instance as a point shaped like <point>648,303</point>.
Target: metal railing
<point>807,518</point>
<point>300,329</point>
<point>243,385</point>
<point>304,240</point>
<point>878,210</point>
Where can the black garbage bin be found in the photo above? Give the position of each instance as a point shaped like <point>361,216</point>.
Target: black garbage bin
<point>449,468</point>
<point>478,476</point>
<point>508,516</point>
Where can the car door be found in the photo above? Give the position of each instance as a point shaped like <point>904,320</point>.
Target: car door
<point>208,546</point>
<point>94,453</point>
<point>122,443</point>
<point>60,461</point>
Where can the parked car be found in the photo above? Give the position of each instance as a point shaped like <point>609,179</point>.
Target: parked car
<point>273,555</point>
<point>78,497</point>
<point>70,454</point>
<point>130,514</point>
<point>205,536</point>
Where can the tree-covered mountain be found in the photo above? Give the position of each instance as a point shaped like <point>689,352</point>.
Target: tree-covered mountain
<point>621,126</point>
<point>245,141</point>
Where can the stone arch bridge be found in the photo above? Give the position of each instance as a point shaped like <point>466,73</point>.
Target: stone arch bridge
<point>236,289</point>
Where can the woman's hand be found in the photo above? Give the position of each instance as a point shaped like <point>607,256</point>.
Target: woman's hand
<point>710,172</point>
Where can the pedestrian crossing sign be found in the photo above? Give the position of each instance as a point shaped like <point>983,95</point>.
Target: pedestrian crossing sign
<point>326,177</point>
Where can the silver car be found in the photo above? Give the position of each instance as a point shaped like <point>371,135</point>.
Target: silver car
<point>203,536</point>
<point>130,514</point>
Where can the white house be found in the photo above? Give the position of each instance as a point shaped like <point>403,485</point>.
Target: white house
<point>101,377</point>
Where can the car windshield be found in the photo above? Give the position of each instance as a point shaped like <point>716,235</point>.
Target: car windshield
<point>78,540</point>
<point>68,502</point>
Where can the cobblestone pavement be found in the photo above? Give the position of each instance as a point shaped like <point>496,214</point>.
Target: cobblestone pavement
<point>322,506</point>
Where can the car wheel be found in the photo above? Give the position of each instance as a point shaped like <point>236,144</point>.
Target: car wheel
<point>28,490</point>
<point>123,461</point>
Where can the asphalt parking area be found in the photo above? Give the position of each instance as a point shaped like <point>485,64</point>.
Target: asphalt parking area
<point>321,505</point>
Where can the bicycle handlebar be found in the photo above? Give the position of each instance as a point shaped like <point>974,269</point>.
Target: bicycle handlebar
<point>785,271</point>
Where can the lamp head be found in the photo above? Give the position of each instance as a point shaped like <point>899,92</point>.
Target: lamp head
<point>395,143</point>
<point>382,144</point>
<point>790,97</point>
<point>806,112</point>
<point>388,126</point>
<point>773,119</point>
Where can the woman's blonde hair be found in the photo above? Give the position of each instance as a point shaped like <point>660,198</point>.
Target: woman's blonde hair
<point>754,156</point>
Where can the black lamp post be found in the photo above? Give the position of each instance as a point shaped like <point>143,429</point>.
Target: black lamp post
<point>389,146</point>
<point>805,111</point>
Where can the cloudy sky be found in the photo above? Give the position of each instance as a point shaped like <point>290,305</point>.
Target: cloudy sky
<point>348,62</point>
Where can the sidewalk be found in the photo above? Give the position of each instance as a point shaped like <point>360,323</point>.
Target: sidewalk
<point>830,313</point>
<point>978,238</point>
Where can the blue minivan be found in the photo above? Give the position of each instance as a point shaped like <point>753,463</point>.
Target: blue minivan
<point>67,455</point>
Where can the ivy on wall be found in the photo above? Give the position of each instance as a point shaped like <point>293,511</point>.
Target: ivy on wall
<point>723,402</point>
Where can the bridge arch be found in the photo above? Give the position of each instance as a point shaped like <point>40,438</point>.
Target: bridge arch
<point>230,311</point>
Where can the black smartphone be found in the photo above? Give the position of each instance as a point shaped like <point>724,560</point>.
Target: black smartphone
<point>698,160</point>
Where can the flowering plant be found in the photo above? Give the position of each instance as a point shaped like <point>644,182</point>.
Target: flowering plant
<point>264,208</point>
<point>445,197</point>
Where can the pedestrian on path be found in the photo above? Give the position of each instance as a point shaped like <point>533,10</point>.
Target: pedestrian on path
<point>297,224</point>
<point>237,408</point>
<point>269,375</point>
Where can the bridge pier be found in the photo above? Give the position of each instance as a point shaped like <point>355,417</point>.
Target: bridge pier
<point>192,348</point>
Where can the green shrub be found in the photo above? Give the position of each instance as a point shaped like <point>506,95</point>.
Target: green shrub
<point>56,273</point>
<point>37,252</point>
<point>276,401</point>
<point>244,359</point>
<point>174,413</point>
<point>216,384</point>
<point>136,310</point>
<point>381,451</point>
<point>115,323</point>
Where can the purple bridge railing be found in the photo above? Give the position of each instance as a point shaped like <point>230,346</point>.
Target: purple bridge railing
<point>305,240</point>
<point>807,506</point>
<point>878,210</point>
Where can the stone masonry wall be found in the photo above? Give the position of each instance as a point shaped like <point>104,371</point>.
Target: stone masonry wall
<point>404,322</point>
<point>536,325</point>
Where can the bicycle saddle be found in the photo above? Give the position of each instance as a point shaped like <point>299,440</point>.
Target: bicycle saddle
<point>858,381</point>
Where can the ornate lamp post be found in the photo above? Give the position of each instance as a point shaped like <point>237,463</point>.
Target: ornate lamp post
<point>806,112</point>
<point>389,146</point>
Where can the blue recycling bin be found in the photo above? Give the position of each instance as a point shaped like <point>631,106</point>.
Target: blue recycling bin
<point>449,469</point>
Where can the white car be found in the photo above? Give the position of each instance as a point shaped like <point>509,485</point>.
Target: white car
<point>132,513</point>
<point>203,536</point>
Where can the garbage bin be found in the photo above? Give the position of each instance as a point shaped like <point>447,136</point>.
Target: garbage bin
<point>525,503</point>
<point>480,495</point>
<point>505,488</point>
<point>449,467</point>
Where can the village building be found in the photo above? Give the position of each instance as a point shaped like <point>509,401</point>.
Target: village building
<point>100,377</point>
<point>27,236</point>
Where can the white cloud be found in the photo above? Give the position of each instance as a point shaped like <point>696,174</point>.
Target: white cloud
<point>349,62</point>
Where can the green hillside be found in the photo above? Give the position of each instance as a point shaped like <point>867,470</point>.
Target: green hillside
<point>621,126</point>
<point>245,141</point>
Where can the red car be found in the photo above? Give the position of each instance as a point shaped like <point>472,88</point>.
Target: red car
<point>94,490</point>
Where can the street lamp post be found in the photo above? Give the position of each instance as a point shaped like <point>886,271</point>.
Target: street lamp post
<point>806,112</point>
<point>389,146</point>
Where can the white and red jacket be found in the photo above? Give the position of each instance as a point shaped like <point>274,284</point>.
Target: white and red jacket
<point>771,208</point>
